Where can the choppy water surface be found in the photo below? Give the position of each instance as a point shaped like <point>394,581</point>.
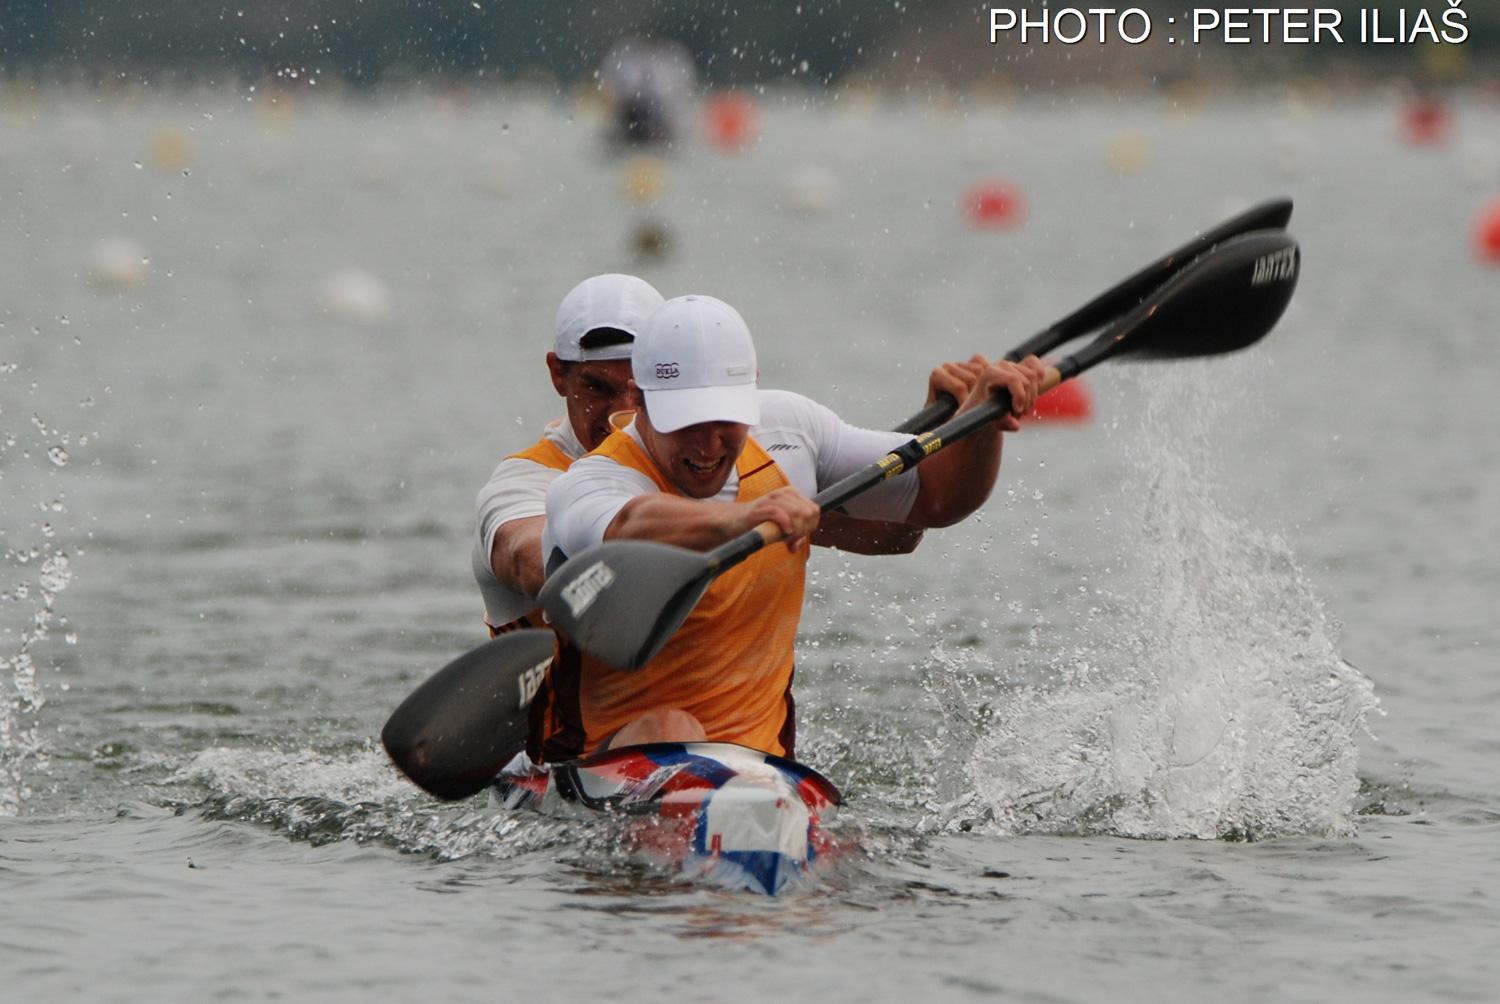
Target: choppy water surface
<point>1201,704</point>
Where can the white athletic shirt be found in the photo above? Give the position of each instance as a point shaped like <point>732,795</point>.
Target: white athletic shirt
<point>516,490</point>
<point>813,447</point>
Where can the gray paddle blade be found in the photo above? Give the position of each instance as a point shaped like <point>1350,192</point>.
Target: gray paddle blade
<point>455,731</point>
<point>622,600</point>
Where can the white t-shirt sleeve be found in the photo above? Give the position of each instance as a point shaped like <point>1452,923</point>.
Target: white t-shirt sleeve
<point>837,449</point>
<point>516,490</point>
<point>583,502</point>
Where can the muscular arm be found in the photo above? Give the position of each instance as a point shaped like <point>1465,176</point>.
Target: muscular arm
<point>866,536</point>
<point>702,526</point>
<point>516,555</point>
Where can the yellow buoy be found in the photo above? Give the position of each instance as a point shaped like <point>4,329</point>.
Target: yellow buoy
<point>1128,152</point>
<point>644,178</point>
<point>500,173</point>
<point>274,112</point>
<point>170,149</point>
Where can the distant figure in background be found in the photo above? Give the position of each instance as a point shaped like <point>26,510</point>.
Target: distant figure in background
<point>648,81</point>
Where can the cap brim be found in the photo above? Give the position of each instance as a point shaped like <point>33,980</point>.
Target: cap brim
<point>670,410</point>
<point>618,350</point>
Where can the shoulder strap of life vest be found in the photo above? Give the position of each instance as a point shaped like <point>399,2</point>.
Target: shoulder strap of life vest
<point>546,453</point>
<point>759,474</point>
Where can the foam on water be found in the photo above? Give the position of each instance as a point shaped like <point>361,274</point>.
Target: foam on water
<point>1216,706</point>
<point>324,798</point>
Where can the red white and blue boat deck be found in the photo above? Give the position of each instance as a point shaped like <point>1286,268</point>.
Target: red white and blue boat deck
<point>728,813</point>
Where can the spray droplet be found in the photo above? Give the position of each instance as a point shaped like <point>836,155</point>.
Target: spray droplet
<point>58,455</point>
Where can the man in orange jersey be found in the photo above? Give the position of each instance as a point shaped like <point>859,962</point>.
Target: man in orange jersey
<point>590,368</point>
<point>709,457</point>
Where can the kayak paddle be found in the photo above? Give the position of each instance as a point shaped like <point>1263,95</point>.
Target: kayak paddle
<point>465,722</point>
<point>1272,215</point>
<point>622,600</point>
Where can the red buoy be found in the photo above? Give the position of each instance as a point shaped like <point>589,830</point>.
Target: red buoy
<point>994,204</point>
<point>1426,121</point>
<point>1069,401</point>
<point>731,121</point>
<point>1487,234</point>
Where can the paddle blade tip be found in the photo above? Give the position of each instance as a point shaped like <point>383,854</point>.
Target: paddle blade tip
<point>1226,300</point>
<point>455,732</point>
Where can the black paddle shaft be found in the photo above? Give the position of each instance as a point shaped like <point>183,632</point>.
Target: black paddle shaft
<point>1126,295</point>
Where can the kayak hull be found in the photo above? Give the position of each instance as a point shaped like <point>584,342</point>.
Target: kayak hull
<point>731,814</point>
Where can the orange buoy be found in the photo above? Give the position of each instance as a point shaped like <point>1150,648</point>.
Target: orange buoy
<point>994,204</point>
<point>731,121</point>
<point>1426,121</point>
<point>1487,234</point>
<point>1070,401</point>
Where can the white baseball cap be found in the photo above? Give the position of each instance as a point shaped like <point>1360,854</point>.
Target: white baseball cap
<point>621,302</point>
<point>694,362</point>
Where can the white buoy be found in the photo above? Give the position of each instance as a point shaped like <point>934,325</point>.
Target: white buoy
<point>1293,155</point>
<point>812,189</point>
<point>119,263</point>
<point>352,294</point>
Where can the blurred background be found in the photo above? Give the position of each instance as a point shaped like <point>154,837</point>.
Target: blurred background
<point>931,43</point>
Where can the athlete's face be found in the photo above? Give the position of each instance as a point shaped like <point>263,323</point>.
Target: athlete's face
<point>594,389</point>
<point>696,459</point>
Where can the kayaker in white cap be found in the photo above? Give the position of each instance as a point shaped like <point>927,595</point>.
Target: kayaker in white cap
<point>709,457</point>
<point>590,368</point>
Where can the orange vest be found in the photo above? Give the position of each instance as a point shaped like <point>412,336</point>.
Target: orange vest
<point>546,453</point>
<point>729,665</point>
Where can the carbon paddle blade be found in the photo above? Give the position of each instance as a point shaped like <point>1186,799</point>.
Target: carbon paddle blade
<point>1118,299</point>
<point>1272,215</point>
<point>455,731</point>
<point>1226,300</point>
<point>620,601</point>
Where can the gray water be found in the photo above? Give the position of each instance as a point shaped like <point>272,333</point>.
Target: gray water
<point>1201,705</point>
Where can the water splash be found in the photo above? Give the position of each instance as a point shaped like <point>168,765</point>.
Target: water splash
<point>1217,706</point>
<point>37,572</point>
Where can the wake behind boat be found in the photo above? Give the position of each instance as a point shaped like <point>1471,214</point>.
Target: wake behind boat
<point>720,811</point>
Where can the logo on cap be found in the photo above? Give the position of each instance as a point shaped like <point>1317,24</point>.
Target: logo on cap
<point>666,371</point>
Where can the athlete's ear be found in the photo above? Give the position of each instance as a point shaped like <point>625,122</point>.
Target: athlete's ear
<point>559,371</point>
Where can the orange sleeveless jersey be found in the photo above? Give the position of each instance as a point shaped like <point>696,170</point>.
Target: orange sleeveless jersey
<point>547,454</point>
<point>730,665</point>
